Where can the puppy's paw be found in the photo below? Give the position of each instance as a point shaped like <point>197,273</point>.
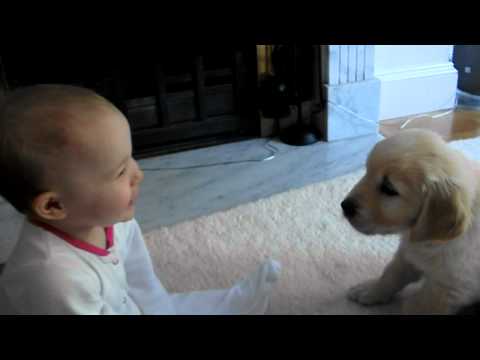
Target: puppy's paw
<point>369,293</point>
<point>417,305</point>
<point>411,306</point>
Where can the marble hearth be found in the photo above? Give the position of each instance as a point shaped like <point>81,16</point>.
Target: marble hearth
<point>351,91</point>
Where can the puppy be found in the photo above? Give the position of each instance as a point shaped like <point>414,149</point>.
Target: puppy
<point>417,186</point>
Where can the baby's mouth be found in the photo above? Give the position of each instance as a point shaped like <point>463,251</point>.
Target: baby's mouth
<point>133,199</point>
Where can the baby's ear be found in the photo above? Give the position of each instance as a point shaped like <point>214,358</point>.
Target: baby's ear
<point>48,206</point>
<point>446,212</point>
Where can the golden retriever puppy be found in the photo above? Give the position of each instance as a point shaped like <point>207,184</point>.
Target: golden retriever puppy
<point>419,187</point>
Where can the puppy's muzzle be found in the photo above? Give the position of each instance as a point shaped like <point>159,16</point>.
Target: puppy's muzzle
<point>349,207</point>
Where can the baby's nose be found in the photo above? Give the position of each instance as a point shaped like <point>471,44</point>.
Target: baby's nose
<point>140,176</point>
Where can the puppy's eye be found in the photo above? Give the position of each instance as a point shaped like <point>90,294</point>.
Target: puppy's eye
<point>387,188</point>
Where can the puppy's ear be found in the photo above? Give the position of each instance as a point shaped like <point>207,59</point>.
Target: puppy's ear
<point>445,214</point>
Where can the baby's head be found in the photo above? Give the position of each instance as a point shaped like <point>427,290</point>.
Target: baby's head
<point>66,156</point>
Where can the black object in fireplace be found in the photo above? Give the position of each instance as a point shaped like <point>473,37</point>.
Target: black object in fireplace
<point>295,79</point>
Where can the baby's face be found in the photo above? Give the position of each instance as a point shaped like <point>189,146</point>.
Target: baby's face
<point>100,179</point>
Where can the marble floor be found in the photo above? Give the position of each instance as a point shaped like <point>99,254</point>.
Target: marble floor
<point>175,195</point>
<point>172,196</point>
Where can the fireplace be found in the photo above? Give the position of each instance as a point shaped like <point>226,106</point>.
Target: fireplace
<point>177,100</point>
<point>184,99</point>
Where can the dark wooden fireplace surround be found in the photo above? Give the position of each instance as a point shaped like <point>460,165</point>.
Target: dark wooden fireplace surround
<point>175,100</point>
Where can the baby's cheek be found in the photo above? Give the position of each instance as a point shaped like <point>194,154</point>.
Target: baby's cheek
<point>127,196</point>
<point>116,199</point>
<point>121,194</point>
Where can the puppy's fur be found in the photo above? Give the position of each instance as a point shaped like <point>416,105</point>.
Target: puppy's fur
<point>419,187</point>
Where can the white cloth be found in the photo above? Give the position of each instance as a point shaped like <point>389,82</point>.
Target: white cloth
<point>47,275</point>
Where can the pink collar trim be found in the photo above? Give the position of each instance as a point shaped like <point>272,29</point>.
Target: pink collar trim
<point>79,243</point>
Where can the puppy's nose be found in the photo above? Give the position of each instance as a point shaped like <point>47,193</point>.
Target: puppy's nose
<point>349,207</point>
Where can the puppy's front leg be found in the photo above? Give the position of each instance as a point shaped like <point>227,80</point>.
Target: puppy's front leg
<point>430,299</point>
<point>395,277</point>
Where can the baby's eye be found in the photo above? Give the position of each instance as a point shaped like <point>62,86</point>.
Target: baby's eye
<point>122,172</point>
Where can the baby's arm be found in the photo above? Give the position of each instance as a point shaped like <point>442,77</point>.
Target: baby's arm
<point>248,296</point>
<point>144,286</point>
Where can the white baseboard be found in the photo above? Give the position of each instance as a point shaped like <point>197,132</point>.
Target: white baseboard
<point>417,90</point>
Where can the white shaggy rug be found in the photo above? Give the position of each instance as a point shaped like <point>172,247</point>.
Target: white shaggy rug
<point>321,255</point>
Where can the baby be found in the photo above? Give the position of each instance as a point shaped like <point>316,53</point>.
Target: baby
<point>66,164</point>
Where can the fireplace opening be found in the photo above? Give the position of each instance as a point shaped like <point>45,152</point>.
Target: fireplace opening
<point>184,99</point>
<point>174,101</point>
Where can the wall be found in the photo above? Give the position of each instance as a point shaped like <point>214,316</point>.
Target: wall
<point>414,79</point>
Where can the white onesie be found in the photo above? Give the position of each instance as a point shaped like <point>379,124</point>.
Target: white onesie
<point>50,273</point>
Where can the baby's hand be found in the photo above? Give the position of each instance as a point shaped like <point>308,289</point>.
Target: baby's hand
<point>252,294</point>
